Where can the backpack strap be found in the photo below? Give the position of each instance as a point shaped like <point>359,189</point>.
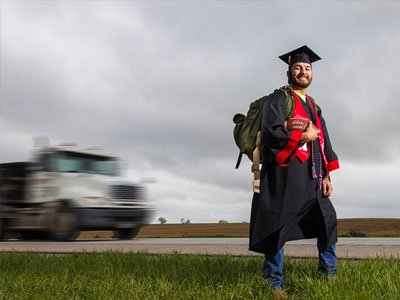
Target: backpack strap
<point>255,167</point>
<point>313,102</point>
<point>289,100</point>
<point>239,160</point>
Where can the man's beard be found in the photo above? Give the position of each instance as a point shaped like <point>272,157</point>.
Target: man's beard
<point>299,84</point>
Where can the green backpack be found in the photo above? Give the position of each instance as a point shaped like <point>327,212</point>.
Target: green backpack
<point>248,126</point>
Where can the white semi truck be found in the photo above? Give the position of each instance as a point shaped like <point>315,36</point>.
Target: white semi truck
<point>64,190</point>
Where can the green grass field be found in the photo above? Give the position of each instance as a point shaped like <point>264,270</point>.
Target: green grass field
<point>142,276</point>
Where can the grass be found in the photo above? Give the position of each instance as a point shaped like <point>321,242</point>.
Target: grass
<point>141,276</point>
<point>355,233</point>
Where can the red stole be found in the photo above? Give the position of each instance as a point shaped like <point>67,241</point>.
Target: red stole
<point>303,152</point>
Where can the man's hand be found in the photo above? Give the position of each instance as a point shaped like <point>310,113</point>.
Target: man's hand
<point>310,134</point>
<point>327,188</point>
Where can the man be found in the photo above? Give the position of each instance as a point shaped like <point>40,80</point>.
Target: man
<point>295,184</point>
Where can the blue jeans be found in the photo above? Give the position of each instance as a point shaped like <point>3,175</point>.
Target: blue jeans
<point>273,265</point>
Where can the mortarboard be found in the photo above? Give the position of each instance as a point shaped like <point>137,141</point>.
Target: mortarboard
<point>302,54</point>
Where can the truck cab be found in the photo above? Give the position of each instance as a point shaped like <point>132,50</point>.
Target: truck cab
<point>65,189</point>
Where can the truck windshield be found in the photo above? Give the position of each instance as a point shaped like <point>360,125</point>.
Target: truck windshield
<point>79,163</point>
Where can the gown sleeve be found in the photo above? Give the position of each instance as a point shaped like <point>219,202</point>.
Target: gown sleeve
<point>278,140</point>
<point>331,157</point>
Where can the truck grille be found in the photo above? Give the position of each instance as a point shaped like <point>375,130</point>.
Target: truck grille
<point>126,192</point>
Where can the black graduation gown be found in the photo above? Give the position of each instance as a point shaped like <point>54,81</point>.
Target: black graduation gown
<point>290,206</point>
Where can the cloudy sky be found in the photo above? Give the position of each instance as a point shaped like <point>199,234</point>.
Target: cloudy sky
<point>157,83</point>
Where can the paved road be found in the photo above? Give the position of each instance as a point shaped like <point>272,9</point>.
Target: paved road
<point>346,248</point>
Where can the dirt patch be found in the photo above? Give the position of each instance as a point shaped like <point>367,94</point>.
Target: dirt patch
<point>371,227</point>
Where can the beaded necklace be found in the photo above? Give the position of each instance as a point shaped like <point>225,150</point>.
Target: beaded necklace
<point>313,166</point>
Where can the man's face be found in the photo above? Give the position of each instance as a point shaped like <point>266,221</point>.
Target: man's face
<point>300,75</point>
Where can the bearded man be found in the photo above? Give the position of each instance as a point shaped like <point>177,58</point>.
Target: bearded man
<point>295,184</point>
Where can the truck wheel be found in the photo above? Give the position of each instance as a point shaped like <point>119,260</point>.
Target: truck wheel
<point>126,233</point>
<point>3,229</point>
<point>64,225</point>
<point>30,235</point>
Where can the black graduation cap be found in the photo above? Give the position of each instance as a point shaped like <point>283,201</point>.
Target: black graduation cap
<point>302,54</point>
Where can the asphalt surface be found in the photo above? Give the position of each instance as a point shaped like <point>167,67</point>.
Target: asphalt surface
<point>352,248</point>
